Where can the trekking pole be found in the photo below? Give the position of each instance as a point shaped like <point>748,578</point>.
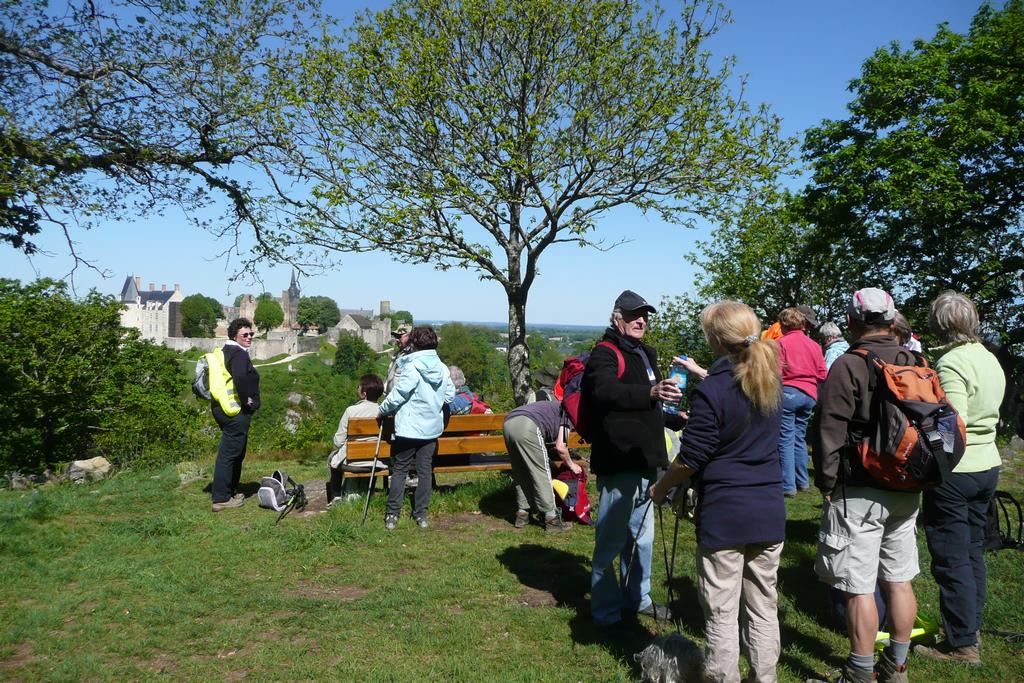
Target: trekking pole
<point>670,567</point>
<point>636,542</point>
<point>373,473</point>
<point>297,500</point>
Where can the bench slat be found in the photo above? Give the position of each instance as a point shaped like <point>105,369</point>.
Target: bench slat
<point>448,445</point>
<point>367,426</point>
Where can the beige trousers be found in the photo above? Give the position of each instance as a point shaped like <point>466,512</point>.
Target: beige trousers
<point>739,586</point>
<point>530,469</point>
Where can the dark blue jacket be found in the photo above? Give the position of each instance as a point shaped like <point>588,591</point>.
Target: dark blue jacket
<point>735,451</point>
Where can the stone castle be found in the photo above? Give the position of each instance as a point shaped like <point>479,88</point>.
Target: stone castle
<point>156,315</point>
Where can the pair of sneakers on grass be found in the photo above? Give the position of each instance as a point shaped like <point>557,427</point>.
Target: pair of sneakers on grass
<point>235,501</point>
<point>391,522</point>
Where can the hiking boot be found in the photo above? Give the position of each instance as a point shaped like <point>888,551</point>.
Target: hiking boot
<point>556,523</point>
<point>390,522</point>
<point>522,519</point>
<point>656,611</point>
<point>421,522</point>
<point>236,502</point>
<point>944,652</point>
<point>238,496</point>
<point>888,671</point>
<point>847,674</point>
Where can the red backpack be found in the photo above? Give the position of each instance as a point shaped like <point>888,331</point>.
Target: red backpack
<point>915,437</point>
<point>576,504</point>
<point>567,388</point>
<point>477,406</point>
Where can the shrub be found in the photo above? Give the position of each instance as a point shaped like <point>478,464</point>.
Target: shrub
<point>73,381</point>
<point>354,356</point>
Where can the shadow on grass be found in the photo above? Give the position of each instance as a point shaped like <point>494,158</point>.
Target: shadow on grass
<point>500,503</point>
<point>247,488</point>
<point>566,577</point>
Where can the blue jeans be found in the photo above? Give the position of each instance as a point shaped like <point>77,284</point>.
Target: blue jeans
<point>796,411</point>
<point>622,516</point>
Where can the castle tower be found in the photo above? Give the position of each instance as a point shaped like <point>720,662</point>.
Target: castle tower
<point>290,304</point>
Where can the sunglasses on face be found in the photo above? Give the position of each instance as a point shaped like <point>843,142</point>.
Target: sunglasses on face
<point>247,335</point>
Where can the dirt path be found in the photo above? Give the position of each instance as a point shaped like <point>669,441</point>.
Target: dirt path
<point>289,359</point>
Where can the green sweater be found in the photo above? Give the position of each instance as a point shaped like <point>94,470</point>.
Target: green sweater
<point>974,383</point>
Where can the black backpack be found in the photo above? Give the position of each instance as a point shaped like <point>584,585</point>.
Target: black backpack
<point>1004,525</point>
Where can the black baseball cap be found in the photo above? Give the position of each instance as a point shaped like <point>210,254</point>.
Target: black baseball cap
<point>809,316</point>
<point>630,301</point>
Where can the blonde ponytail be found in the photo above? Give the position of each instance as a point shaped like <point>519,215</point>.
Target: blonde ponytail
<point>733,329</point>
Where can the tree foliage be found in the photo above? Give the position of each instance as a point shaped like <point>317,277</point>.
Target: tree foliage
<point>199,315</point>
<point>924,179</point>
<point>71,379</point>
<point>545,359</point>
<point>398,317</point>
<point>115,109</point>
<point>477,134</point>
<point>320,312</point>
<point>354,356</point>
<point>771,257</point>
<point>467,346</point>
<point>676,329</point>
<point>268,315</point>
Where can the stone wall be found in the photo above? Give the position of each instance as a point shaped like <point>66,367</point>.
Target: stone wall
<point>261,348</point>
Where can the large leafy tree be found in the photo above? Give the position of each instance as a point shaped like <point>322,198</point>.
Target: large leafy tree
<point>115,109</point>
<point>70,374</point>
<point>478,133</point>
<point>199,315</point>
<point>925,179</point>
<point>320,312</point>
<point>268,314</point>
<point>771,257</point>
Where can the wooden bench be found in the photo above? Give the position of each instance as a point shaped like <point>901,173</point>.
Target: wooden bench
<point>470,443</point>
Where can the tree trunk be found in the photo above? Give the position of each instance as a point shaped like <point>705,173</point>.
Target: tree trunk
<point>518,352</point>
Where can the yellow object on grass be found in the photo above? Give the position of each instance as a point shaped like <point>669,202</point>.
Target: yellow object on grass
<point>923,628</point>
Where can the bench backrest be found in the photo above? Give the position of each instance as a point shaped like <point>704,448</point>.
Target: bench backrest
<point>465,434</point>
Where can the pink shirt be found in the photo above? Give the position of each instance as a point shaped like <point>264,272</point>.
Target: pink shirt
<point>803,363</point>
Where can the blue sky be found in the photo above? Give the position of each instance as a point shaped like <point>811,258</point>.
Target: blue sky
<point>799,57</point>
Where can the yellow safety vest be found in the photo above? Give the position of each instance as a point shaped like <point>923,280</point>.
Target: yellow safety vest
<point>222,386</point>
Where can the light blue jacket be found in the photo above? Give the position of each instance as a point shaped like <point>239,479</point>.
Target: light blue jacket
<point>416,400</point>
<point>834,350</point>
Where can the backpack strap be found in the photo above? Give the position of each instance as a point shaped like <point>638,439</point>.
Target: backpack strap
<point>875,365</point>
<point>618,357</point>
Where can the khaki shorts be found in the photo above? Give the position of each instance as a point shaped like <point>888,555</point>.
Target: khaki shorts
<point>877,538</point>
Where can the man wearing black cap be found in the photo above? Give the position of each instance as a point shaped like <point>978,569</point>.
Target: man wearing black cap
<point>623,393</point>
<point>401,336</point>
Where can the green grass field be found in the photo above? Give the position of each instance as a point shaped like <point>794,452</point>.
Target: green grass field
<point>134,578</point>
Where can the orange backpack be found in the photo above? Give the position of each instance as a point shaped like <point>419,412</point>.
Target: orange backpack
<point>914,437</point>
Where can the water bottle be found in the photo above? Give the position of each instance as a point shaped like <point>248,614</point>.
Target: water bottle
<point>680,372</point>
